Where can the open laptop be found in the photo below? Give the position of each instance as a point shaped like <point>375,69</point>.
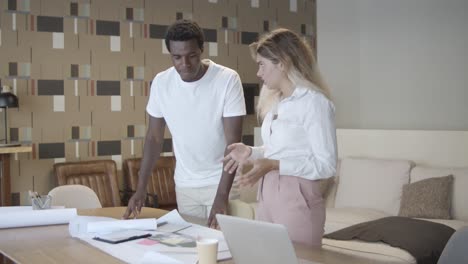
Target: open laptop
<point>257,242</point>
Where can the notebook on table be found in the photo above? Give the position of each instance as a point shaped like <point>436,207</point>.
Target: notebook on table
<point>258,242</point>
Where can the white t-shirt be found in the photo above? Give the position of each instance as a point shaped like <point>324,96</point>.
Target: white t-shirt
<point>194,113</point>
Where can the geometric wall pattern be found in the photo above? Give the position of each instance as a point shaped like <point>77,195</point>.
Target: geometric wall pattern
<point>82,70</point>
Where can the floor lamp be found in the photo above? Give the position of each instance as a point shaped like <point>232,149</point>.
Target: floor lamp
<point>7,100</point>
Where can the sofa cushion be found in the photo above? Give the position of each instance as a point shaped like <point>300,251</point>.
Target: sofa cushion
<point>339,218</point>
<point>380,252</point>
<point>429,198</point>
<point>369,252</point>
<point>459,208</point>
<point>425,240</point>
<point>240,208</point>
<point>372,183</point>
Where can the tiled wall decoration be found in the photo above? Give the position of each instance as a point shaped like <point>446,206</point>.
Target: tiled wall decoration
<point>82,70</point>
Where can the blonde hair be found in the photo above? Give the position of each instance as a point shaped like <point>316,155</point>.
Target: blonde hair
<point>285,46</point>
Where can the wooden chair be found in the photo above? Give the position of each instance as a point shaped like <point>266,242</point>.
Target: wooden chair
<point>161,185</point>
<point>99,175</point>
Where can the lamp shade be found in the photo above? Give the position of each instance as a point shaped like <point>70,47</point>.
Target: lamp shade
<point>8,100</point>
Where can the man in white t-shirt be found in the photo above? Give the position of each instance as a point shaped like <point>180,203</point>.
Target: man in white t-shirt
<point>202,104</point>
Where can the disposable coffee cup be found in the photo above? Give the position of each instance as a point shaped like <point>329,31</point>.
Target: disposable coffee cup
<point>207,251</point>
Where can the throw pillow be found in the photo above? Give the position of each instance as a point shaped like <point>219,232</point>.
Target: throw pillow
<point>430,198</point>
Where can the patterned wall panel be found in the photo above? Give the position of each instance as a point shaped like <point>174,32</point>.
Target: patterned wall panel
<point>82,71</point>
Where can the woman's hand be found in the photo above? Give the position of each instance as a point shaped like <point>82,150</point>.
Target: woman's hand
<point>238,152</point>
<point>260,168</point>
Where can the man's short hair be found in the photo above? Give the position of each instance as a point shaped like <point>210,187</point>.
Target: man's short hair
<point>183,30</point>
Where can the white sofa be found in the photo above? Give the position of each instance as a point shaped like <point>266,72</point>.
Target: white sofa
<point>374,166</point>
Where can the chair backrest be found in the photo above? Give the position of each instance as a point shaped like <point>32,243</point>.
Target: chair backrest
<point>99,175</point>
<point>160,183</point>
<point>75,196</point>
<point>456,251</point>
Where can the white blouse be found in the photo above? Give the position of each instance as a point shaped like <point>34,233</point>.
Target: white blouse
<point>300,133</point>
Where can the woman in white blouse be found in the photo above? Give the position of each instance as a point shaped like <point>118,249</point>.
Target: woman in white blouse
<point>298,133</point>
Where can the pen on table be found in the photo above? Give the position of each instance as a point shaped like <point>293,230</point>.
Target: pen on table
<point>161,223</point>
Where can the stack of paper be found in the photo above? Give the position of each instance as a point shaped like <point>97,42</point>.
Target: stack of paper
<point>90,225</point>
<point>171,243</point>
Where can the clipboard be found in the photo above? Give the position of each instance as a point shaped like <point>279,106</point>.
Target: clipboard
<point>121,236</point>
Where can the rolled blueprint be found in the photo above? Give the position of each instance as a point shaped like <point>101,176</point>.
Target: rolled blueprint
<point>82,225</point>
<point>22,217</point>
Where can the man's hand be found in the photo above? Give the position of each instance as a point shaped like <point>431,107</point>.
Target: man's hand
<point>134,205</point>
<point>220,205</point>
<point>238,152</point>
<point>260,168</point>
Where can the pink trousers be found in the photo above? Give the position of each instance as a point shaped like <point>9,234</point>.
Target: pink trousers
<point>294,202</point>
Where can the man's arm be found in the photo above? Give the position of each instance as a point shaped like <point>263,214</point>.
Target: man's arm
<point>233,134</point>
<point>152,149</point>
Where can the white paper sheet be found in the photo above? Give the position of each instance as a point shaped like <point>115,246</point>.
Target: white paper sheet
<point>173,217</point>
<point>82,225</point>
<point>138,251</point>
<point>174,222</point>
<point>155,257</point>
<point>22,217</point>
<point>111,226</point>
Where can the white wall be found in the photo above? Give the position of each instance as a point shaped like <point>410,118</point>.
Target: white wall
<point>396,64</point>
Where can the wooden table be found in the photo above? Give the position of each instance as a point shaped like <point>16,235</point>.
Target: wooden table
<point>5,181</point>
<point>53,244</point>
